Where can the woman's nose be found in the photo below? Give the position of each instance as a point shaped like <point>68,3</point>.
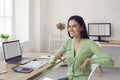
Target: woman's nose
<point>70,29</point>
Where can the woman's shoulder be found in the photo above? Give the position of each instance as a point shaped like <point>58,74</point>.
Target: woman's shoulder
<point>68,41</point>
<point>88,41</point>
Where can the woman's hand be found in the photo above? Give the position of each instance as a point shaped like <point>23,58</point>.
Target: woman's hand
<point>58,55</point>
<point>84,64</point>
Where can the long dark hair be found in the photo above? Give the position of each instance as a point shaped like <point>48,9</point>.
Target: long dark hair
<point>81,22</point>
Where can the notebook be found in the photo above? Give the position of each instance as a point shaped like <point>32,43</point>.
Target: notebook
<point>13,53</point>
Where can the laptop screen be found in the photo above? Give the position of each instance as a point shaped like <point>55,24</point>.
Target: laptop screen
<point>11,49</point>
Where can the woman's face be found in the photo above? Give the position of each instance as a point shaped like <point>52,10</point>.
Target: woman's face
<point>74,28</point>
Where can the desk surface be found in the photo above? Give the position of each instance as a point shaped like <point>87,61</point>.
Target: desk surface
<point>111,42</point>
<point>11,75</point>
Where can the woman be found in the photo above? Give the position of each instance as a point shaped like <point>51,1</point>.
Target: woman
<point>79,49</point>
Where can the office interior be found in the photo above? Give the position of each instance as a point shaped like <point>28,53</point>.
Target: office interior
<point>34,22</point>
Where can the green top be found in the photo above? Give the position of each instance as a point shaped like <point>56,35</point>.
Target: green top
<point>87,48</point>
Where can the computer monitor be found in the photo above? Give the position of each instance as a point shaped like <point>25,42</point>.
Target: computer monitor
<point>99,30</point>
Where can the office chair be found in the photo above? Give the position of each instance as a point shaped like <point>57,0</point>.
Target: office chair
<point>99,68</point>
<point>93,67</point>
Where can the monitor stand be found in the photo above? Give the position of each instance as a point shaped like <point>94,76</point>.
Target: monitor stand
<point>99,39</point>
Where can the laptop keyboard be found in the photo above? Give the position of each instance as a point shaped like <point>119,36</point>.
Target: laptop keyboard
<point>24,60</point>
<point>19,59</point>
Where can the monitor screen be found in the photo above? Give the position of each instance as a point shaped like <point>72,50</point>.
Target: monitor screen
<point>99,29</point>
<point>12,49</point>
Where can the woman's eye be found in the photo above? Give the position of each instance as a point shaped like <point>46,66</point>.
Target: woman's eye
<point>74,26</point>
<point>68,26</point>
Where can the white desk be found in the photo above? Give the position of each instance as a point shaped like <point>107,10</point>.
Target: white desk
<point>113,48</point>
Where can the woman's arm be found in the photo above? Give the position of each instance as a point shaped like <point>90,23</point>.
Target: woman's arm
<point>60,52</point>
<point>102,57</point>
<point>84,64</point>
<point>54,58</point>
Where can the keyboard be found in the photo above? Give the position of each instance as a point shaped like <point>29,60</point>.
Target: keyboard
<point>34,64</point>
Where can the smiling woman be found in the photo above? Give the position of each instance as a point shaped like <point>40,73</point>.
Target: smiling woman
<point>79,58</point>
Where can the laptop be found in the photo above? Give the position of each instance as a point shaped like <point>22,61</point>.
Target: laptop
<point>13,53</point>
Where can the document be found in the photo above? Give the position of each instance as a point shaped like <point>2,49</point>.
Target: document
<point>44,57</point>
<point>47,78</point>
<point>34,64</point>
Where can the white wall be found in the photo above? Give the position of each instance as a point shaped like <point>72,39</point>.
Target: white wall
<point>45,14</point>
<point>91,10</point>
<point>44,28</point>
<point>35,24</point>
<point>27,24</point>
<point>22,24</point>
<point>55,11</point>
<point>38,25</point>
<point>21,20</point>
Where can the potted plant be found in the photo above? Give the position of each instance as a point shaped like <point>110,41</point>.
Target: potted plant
<point>61,27</point>
<point>4,37</point>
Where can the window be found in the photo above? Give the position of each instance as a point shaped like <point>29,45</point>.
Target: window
<point>6,16</point>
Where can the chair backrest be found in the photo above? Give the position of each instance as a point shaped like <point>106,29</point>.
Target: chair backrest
<point>93,67</point>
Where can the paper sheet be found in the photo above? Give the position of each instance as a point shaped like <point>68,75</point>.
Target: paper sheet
<point>34,64</point>
<point>44,57</point>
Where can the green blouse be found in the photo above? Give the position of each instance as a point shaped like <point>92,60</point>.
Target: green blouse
<point>87,48</point>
